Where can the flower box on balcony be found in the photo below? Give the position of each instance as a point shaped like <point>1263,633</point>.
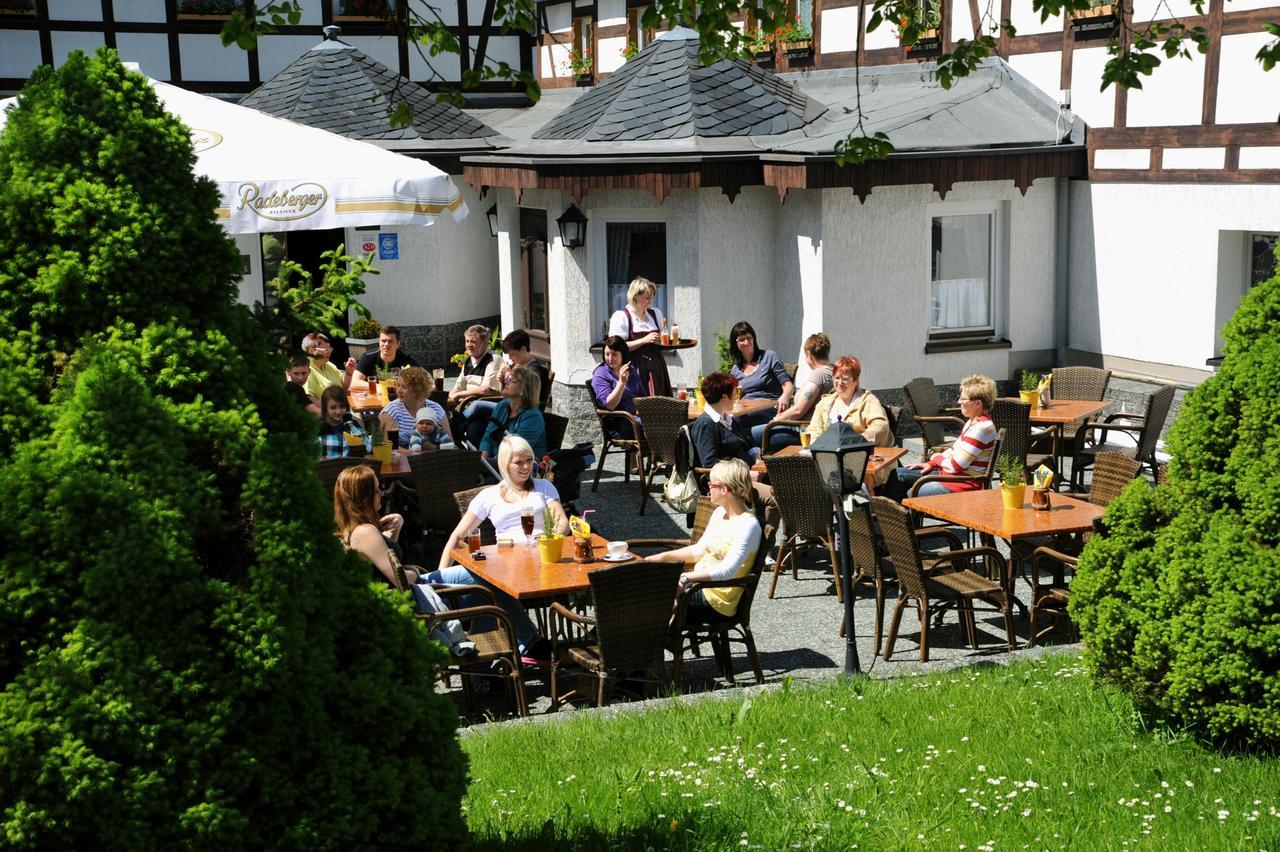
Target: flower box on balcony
<point>765,58</point>
<point>927,46</point>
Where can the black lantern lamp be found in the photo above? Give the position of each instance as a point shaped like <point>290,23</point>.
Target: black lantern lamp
<point>493,220</point>
<point>841,455</point>
<point>573,227</point>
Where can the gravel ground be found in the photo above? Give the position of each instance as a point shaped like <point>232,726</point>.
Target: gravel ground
<point>796,632</point>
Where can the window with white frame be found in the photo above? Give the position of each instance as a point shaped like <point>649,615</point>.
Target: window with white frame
<point>1262,259</point>
<point>964,271</point>
<point>629,244</point>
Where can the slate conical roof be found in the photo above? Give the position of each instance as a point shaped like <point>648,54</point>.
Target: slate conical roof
<point>666,92</point>
<point>338,88</point>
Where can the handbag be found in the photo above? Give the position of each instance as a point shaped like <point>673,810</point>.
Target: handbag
<point>681,489</point>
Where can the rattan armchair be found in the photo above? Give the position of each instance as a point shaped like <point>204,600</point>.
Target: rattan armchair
<point>922,396</point>
<point>633,446</point>
<point>662,417</point>
<point>942,581</point>
<point>1091,438</point>
<point>1013,418</point>
<point>436,477</point>
<point>807,515</point>
<point>774,424</point>
<point>983,481</point>
<point>625,636</point>
<point>330,469</point>
<point>463,500</point>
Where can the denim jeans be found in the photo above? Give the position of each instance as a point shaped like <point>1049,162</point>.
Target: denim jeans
<point>901,480</point>
<point>456,575</point>
<point>781,436</point>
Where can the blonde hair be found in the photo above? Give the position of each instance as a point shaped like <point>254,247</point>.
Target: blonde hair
<point>418,381</point>
<point>735,476</point>
<point>530,385</point>
<point>353,498</point>
<point>514,445</point>
<point>639,287</point>
<point>980,388</point>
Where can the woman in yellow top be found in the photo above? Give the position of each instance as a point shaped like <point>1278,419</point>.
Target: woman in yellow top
<point>852,404</point>
<point>727,548</point>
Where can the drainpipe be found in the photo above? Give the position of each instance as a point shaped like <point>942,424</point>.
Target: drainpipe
<point>1062,271</point>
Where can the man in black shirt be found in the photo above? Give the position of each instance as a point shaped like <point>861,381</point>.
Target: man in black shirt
<point>295,381</point>
<point>386,356</point>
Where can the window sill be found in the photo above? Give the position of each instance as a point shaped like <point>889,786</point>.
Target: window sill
<point>937,347</point>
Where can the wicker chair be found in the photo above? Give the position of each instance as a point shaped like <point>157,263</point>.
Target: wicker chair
<point>329,469</point>
<point>556,426</point>
<point>632,612</point>
<point>662,417</point>
<point>1013,418</point>
<point>1112,473</point>
<point>436,477</point>
<point>686,635</point>
<point>922,395</point>
<point>701,516</point>
<point>497,652</point>
<point>1091,439</point>
<point>463,500</point>
<point>807,514</point>
<point>893,413</point>
<point>985,480</point>
<point>791,367</point>
<point>633,447</point>
<point>918,585</point>
<point>771,425</point>
<point>1087,383</point>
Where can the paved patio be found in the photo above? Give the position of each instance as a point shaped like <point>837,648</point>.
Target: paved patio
<point>797,632</point>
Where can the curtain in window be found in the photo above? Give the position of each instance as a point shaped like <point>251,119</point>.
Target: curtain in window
<point>634,249</point>
<point>961,279</point>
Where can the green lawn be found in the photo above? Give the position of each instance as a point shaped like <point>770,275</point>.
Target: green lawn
<point>1028,756</point>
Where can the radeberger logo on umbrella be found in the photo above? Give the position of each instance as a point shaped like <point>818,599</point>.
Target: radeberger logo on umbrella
<point>203,140</point>
<point>283,205</point>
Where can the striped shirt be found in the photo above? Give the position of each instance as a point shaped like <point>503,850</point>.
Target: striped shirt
<point>970,455</point>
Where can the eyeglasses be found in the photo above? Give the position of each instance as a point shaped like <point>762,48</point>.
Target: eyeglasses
<point>842,378</point>
<point>962,400</point>
<point>719,485</point>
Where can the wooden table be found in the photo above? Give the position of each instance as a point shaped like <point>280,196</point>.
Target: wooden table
<point>881,457</point>
<point>741,408</point>
<point>360,401</point>
<point>517,569</point>
<point>984,511</point>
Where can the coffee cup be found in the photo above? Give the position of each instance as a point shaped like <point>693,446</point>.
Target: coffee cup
<point>617,549</point>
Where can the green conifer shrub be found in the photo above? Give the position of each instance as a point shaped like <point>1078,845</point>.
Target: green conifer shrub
<point>187,656</point>
<point>1180,602</point>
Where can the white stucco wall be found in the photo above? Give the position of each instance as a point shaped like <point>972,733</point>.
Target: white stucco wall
<point>447,272</point>
<point>1147,266</point>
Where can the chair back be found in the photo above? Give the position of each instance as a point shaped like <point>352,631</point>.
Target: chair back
<point>767,536</point>
<point>1112,472</point>
<point>556,426</point>
<point>922,396</point>
<point>1158,405</point>
<point>633,608</point>
<point>791,367</point>
<point>893,413</point>
<point>463,498</point>
<point>546,392</point>
<point>867,560</point>
<point>1085,383</point>
<point>329,470</point>
<point>900,540</point>
<point>803,502</point>
<point>437,477</point>
<point>1013,417</point>
<point>662,417</point>
<point>701,517</point>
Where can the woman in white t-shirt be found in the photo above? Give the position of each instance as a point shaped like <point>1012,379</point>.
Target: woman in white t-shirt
<point>502,505</point>
<point>727,548</point>
<point>640,325</point>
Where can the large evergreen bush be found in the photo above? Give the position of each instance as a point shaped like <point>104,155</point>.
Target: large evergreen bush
<point>187,656</point>
<point>1180,602</point>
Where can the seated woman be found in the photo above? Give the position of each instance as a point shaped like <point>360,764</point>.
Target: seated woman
<point>726,550</point>
<point>517,413</point>
<point>413,389</point>
<point>760,374</point>
<point>639,325</point>
<point>717,434</point>
<point>357,505</point>
<point>336,424</point>
<point>503,505</point>
<point>970,455</point>
<point>615,384</point>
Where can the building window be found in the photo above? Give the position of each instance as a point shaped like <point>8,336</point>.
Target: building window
<point>963,274</point>
<point>583,46</point>
<point>638,37</point>
<point>630,246</point>
<point>1262,259</point>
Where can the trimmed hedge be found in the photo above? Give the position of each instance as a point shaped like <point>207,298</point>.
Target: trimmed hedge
<point>1180,602</point>
<point>188,658</point>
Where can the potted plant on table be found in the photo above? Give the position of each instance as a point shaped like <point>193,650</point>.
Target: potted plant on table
<point>550,543</point>
<point>1029,388</point>
<point>363,336</point>
<point>1013,480</point>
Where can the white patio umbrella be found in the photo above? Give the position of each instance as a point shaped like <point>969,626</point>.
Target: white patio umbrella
<point>277,175</point>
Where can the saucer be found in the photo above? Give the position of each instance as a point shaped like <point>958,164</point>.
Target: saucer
<point>623,557</point>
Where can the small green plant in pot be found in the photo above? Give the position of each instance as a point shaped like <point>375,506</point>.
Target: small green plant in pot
<point>1013,480</point>
<point>550,542</point>
<point>1029,388</point>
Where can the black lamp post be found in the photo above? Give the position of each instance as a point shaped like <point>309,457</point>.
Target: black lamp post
<point>493,220</point>
<point>841,455</point>
<point>573,227</point>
